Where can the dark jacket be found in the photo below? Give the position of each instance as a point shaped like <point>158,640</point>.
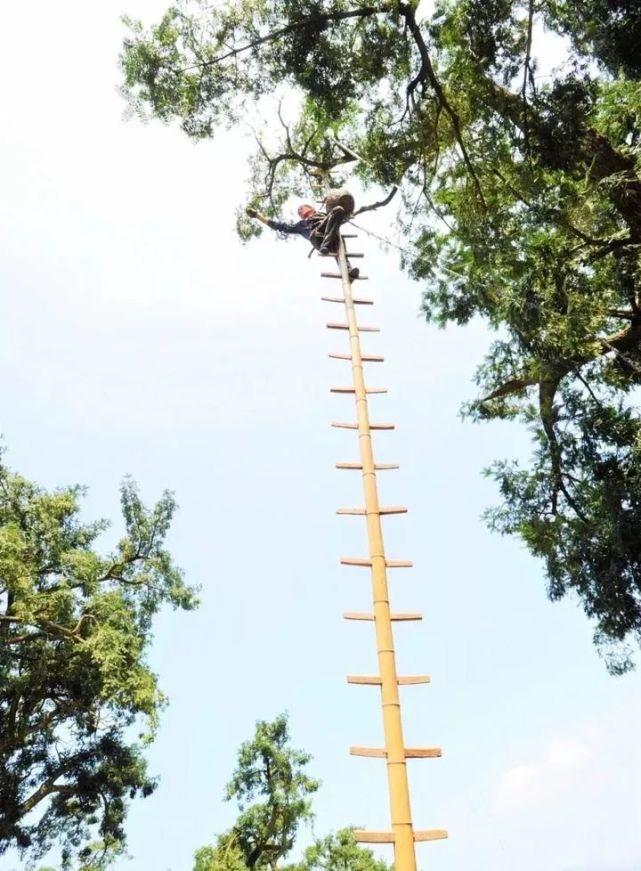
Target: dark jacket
<point>304,228</point>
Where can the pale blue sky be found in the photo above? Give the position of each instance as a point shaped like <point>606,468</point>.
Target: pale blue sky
<point>138,336</point>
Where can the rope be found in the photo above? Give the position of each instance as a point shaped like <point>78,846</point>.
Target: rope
<point>380,238</point>
<point>403,250</point>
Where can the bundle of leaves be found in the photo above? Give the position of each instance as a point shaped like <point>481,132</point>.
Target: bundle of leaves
<point>78,700</point>
<point>273,792</point>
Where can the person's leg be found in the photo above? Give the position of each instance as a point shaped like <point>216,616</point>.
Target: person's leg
<point>332,226</point>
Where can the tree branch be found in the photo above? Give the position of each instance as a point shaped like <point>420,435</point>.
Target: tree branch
<point>378,205</point>
<point>310,21</point>
<point>426,72</point>
<point>526,71</point>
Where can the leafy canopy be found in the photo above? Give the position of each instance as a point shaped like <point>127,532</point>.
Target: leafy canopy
<point>272,790</point>
<point>520,198</point>
<point>75,685</point>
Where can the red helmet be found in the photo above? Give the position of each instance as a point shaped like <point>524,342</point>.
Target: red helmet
<point>306,211</point>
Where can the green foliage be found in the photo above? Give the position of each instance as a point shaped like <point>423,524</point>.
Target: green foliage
<point>339,852</point>
<point>520,200</point>
<point>225,856</point>
<point>272,790</point>
<point>74,629</point>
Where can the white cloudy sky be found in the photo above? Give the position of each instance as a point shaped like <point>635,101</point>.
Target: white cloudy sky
<point>138,335</point>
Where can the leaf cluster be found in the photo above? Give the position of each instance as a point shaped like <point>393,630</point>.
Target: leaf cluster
<point>272,789</point>
<point>75,627</point>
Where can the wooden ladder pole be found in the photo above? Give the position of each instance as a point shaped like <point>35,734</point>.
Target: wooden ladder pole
<point>399,794</point>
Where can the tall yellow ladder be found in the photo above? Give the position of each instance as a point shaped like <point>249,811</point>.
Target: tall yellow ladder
<point>403,835</point>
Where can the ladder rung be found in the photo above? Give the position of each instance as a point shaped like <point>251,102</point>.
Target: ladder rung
<point>410,752</point>
<point>395,618</point>
<point>365,837</point>
<point>335,326</point>
<point>376,680</point>
<point>423,752</point>
<point>366,358</point>
<point>365,561</point>
<point>351,254</point>
<point>360,301</point>
<point>338,275</point>
<point>378,426</point>
<point>378,466</point>
<point>349,235</point>
<point>389,509</point>
<point>353,390</point>
<point>430,834</point>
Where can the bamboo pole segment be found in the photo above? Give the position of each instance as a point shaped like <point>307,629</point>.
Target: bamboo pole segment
<point>402,834</point>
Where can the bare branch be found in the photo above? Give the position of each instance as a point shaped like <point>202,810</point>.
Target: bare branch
<point>379,204</point>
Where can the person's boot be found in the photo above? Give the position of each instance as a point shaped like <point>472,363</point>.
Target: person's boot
<point>354,272</point>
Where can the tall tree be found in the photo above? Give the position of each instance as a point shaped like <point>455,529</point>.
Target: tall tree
<point>272,790</point>
<point>75,628</point>
<point>520,195</point>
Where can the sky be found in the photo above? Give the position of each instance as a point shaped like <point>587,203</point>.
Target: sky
<point>138,336</point>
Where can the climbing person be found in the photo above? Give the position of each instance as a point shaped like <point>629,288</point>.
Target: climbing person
<point>320,228</point>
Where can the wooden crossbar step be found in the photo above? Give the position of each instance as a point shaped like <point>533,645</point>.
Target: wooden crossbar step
<point>349,235</point>
<point>335,326</point>
<point>430,834</point>
<point>365,837</point>
<point>390,509</point>
<point>338,275</point>
<point>380,426</point>
<point>410,752</point>
<point>351,254</point>
<point>365,561</point>
<point>395,618</point>
<point>353,390</point>
<point>376,680</point>
<point>378,466</point>
<point>360,301</point>
<point>366,358</point>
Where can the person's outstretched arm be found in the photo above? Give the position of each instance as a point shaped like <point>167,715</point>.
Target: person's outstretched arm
<point>280,226</point>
